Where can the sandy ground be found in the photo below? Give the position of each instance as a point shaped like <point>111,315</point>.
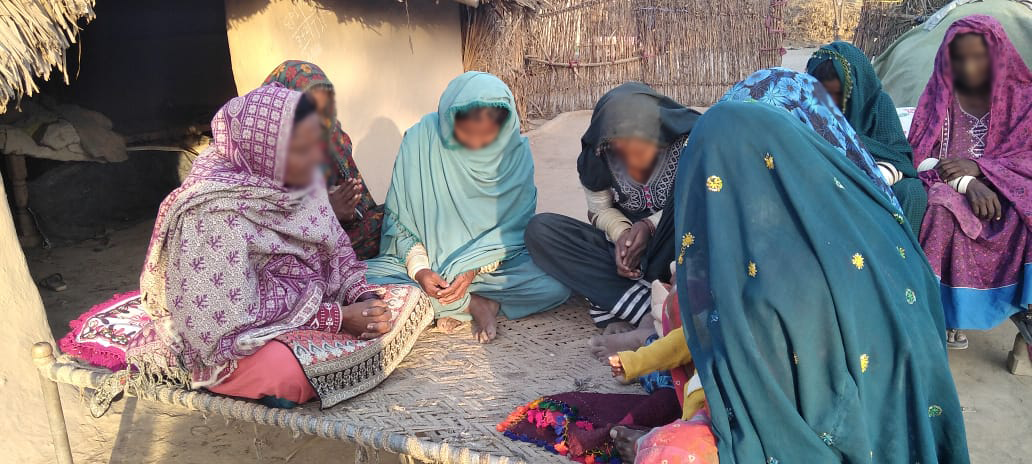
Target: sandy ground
<point>996,403</point>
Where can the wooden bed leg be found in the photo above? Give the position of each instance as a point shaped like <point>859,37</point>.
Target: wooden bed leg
<point>23,221</point>
<point>43,355</point>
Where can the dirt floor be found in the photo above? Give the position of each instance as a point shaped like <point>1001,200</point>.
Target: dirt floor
<point>996,403</point>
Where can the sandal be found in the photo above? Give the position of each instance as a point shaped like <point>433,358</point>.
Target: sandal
<point>54,282</point>
<point>956,340</point>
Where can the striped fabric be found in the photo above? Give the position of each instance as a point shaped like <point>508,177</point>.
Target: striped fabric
<point>631,307</point>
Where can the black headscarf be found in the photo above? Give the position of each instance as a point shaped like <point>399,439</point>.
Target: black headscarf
<point>632,109</point>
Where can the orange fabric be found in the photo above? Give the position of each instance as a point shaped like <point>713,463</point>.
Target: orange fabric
<point>680,442</point>
<point>271,371</point>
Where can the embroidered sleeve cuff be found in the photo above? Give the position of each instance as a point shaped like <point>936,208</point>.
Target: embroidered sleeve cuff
<point>416,260</point>
<point>489,268</point>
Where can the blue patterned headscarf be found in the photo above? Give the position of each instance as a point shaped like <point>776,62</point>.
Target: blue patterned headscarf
<point>805,97</point>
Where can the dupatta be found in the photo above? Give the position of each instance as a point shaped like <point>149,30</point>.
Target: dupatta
<point>469,208</point>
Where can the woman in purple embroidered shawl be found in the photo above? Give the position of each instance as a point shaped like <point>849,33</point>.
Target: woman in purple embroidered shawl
<point>972,139</point>
<point>248,251</point>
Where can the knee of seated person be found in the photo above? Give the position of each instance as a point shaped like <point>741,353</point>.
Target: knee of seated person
<point>539,230</point>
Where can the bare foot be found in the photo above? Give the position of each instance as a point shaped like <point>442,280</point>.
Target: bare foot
<point>617,327</point>
<point>626,441</point>
<point>485,317</point>
<point>448,325</point>
<point>603,346</point>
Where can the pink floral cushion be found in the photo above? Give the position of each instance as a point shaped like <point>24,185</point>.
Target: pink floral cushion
<point>101,335</point>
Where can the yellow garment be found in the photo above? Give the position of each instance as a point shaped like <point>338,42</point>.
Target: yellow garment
<point>669,352</point>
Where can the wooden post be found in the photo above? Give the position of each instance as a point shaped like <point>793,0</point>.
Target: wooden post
<point>27,234</point>
<point>43,358</point>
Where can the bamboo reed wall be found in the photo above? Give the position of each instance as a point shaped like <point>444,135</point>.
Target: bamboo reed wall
<point>566,55</point>
<point>883,21</point>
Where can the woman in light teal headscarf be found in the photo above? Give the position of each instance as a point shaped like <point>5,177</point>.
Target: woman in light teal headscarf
<point>460,198</point>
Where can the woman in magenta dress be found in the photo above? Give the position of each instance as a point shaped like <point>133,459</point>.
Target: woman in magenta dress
<point>972,139</point>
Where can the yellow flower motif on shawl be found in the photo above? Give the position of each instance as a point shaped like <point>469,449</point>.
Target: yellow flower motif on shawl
<point>899,218</point>
<point>714,184</point>
<point>306,68</point>
<point>795,358</point>
<point>768,159</point>
<point>902,252</point>
<point>858,260</point>
<point>864,362</point>
<point>752,269</point>
<point>686,242</point>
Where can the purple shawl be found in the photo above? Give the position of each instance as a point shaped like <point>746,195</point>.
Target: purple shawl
<point>1007,162</point>
<point>236,258</point>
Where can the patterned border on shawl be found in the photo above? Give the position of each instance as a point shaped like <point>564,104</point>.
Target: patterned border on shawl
<point>344,378</point>
<point>283,137</point>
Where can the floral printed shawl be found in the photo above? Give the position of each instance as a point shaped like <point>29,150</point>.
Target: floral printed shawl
<point>804,97</point>
<point>304,76</point>
<point>236,258</point>
<point>1007,162</point>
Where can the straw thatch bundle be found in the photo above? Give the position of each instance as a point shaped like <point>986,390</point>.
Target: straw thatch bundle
<point>883,21</point>
<point>34,35</point>
<point>566,54</point>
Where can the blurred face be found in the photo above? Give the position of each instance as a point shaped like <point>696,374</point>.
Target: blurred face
<point>304,153</point>
<point>324,104</point>
<point>476,132</point>
<point>638,155</point>
<point>969,58</point>
<point>834,88</point>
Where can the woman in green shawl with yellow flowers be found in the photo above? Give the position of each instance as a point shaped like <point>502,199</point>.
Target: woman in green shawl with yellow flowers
<point>848,76</point>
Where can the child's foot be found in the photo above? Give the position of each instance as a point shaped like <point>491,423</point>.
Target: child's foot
<point>603,346</point>
<point>617,327</point>
<point>626,441</point>
<point>485,318</point>
<point>448,325</point>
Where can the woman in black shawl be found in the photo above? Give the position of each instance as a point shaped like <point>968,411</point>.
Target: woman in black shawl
<point>627,164</point>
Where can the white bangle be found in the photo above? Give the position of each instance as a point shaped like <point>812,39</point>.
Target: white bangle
<point>928,164</point>
<point>961,183</point>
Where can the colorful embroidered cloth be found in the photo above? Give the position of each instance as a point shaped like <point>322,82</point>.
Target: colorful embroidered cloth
<point>983,265</point>
<point>237,258</point>
<point>101,335</point>
<point>365,230</point>
<point>812,318</point>
<point>576,424</point>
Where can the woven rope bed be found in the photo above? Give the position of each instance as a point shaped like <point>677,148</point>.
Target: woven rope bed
<point>441,405</point>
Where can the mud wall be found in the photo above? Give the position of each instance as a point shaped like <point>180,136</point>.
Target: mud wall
<point>389,62</point>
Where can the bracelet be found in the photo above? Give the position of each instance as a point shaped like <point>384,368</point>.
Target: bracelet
<point>652,227</point>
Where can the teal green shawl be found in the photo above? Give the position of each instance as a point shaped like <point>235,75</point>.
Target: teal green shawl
<point>468,208</point>
<point>812,315</point>
<point>867,107</point>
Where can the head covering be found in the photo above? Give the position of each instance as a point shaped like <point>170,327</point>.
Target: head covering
<point>866,106</point>
<point>469,208</point>
<point>303,77</point>
<point>632,109</point>
<point>237,258</point>
<point>811,314</point>
<point>806,99</point>
<point>1007,162</point>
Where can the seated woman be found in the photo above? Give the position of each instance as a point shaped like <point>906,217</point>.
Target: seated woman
<point>248,274</point>
<point>813,324</point>
<point>847,74</point>
<point>627,163</point>
<point>350,198</point>
<point>971,138</point>
<point>461,195</point>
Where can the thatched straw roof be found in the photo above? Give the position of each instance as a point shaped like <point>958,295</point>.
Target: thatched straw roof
<point>34,35</point>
